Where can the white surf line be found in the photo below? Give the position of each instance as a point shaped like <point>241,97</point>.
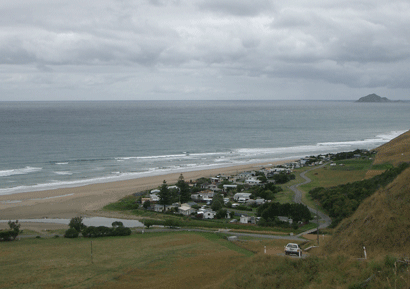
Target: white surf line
<point>36,199</point>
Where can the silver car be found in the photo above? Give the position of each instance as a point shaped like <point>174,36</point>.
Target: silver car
<point>293,248</point>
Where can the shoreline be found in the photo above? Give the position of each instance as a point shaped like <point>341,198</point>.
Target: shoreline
<point>88,200</point>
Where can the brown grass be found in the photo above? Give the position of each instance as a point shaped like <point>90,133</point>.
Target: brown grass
<point>395,151</point>
<point>372,173</point>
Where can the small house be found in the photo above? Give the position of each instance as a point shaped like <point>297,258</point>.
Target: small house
<point>244,196</point>
<point>244,219</point>
<point>186,209</point>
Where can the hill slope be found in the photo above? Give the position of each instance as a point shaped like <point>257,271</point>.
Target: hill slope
<point>382,222</point>
<point>396,151</point>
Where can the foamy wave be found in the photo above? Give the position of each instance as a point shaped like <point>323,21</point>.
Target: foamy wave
<point>171,157</point>
<point>115,176</point>
<point>377,140</point>
<point>26,170</point>
<point>63,173</point>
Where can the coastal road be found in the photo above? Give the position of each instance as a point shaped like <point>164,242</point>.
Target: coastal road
<point>325,220</point>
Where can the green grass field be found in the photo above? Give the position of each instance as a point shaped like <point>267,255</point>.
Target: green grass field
<point>346,171</point>
<point>196,260</point>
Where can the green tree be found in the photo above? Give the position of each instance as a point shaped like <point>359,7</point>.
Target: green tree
<point>217,202</point>
<point>164,195</point>
<point>71,233</point>
<point>77,224</point>
<point>117,224</point>
<point>147,204</point>
<point>148,223</point>
<point>172,223</point>
<point>262,178</point>
<point>14,229</point>
<point>184,193</point>
<point>221,214</point>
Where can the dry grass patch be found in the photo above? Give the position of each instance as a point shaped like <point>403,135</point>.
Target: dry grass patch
<point>372,173</point>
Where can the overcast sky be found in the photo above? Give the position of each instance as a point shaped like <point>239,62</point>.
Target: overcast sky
<point>204,49</point>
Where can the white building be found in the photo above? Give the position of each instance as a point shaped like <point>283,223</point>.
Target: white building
<point>186,209</point>
<point>243,196</point>
<point>209,214</point>
<point>226,187</point>
<point>154,198</point>
<point>252,181</point>
<point>244,219</point>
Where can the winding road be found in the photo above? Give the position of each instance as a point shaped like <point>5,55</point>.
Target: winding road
<point>325,220</point>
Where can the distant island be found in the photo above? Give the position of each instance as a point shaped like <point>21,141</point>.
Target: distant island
<point>374,98</point>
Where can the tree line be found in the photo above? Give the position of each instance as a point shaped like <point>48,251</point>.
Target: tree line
<point>76,227</point>
<point>269,213</point>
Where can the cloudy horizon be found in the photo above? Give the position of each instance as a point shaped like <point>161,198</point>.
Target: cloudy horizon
<point>204,49</point>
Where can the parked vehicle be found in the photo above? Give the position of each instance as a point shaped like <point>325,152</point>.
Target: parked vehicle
<point>293,248</point>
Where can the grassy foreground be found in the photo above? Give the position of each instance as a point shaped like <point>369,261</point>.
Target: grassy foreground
<point>150,260</point>
<point>269,271</point>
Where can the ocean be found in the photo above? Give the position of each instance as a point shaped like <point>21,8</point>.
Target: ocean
<point>49,145</point>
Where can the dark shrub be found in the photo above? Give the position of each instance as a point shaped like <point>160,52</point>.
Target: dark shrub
<point>77,224</point>
<point>117,224</point>
<point>104,231</point>
<point>171,223</point>
<point>90,232</point>
<point>71,233</point>
<point>121,231</point>
<point>5,235</point>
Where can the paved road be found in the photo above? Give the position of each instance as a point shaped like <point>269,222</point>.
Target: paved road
<point>158,230</point>
<point>228,232</point>
<point>324,220</point>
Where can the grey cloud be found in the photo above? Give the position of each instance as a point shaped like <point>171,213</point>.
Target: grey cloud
<point>335,42</point>
<point>237,7</point>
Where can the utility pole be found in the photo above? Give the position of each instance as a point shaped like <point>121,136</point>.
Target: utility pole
<point>317,220</point>
<point>92,262</point>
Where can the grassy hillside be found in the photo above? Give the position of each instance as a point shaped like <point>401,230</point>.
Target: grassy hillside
<point>395,151</point>
<point>382,222</point>
<point>267,271</point>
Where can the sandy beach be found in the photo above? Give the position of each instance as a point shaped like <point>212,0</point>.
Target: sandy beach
<point>88,200</point>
